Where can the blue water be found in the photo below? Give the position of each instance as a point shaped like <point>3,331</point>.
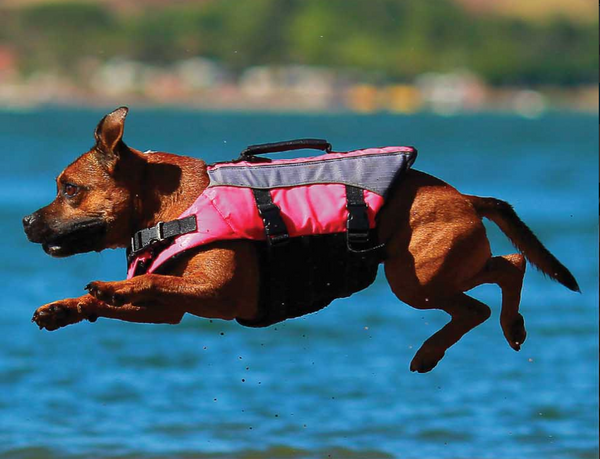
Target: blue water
<point>334,384</point>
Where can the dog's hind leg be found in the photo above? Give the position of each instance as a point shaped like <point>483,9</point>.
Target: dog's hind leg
<point>507,272</point>
<point>424,293</point>
<point>466,313</point>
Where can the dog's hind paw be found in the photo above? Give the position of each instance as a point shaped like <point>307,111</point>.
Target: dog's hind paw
<point>105,291</point>
<point>425,360</point>
<point>58,314</point>
<point>515,332</point>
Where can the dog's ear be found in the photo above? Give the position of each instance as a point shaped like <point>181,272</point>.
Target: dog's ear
<point>109,134</point>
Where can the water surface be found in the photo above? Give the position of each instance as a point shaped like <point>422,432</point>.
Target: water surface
<point>332,384</point>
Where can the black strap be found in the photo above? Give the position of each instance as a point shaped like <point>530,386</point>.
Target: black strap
<point>160,232</point>
<point>275,228</point>
<point>287,145</point>
<point>276,254</point>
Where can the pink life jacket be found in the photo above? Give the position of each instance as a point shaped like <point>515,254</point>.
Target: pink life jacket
<point>278,202</point>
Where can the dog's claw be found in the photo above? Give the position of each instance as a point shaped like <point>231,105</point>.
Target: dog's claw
<point>104,291</point>
<point>117,300</point>
<point>92,289</point>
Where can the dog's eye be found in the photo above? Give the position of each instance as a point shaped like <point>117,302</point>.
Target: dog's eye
<point>70,189</point>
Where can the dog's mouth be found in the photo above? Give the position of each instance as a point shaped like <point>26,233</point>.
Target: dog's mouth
<point>78,237</point>
<point>57,251</point>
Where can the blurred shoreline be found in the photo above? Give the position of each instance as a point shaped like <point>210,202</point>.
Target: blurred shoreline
<point>199,84</point>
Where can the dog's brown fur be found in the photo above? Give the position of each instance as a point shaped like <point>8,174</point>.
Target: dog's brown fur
<point>436,243</point>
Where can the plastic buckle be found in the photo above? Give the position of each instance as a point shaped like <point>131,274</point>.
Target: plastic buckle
<point>136,242</point>
<point>357,225</point>
<point>160,234</point>
<point>358,219</point>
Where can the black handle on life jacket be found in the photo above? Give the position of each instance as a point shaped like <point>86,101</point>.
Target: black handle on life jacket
<point>287,145</point>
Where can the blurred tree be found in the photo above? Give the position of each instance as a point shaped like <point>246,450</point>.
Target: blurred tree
<point>58,35</point>
<point>392,40</point>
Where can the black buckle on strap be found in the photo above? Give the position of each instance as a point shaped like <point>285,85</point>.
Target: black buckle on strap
<point>161,232</point>
<point>357,224</point>
<point>147,236</point>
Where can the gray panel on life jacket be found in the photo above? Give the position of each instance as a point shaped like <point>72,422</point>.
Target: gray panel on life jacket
<point>373,172</point>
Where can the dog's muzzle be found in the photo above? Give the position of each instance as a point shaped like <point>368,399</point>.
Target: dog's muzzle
<point>68,238</point>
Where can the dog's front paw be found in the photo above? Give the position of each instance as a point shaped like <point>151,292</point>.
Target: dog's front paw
<point>106,292</point>
<point>58,314</point>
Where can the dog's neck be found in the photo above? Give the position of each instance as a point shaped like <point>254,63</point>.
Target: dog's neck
<point>170,184</point>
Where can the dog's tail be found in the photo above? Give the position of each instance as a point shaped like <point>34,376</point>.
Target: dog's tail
<point>503,215</point>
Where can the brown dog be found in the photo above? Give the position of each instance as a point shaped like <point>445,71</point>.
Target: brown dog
<point>436,246</point>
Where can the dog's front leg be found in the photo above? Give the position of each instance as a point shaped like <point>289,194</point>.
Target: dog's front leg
<point>197,295</point>
<point>218,283</point>
<point>61,313</point>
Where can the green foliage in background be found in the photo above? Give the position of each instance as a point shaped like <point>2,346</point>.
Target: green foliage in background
<point>389,40</point>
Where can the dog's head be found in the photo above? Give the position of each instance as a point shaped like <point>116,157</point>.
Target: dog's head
<point>95,200</point>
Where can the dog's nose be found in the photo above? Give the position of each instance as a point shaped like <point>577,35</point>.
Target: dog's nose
<point>30,225</point>
<point>34,227</point>
<point>28,221</point>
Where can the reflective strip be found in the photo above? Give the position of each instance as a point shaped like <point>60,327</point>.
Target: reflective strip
<point>374,172</point>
